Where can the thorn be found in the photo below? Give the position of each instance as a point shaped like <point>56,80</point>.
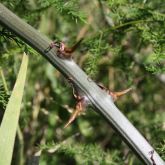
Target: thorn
<point>73,48</point>
<point>72,118</point>
<point>116,95</point>
<point>63,50</point>
<point>82,102</point>
<point>79,109</point>
<point>66,52</point>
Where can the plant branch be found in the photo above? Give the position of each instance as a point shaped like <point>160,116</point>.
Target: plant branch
<point>100,99</point>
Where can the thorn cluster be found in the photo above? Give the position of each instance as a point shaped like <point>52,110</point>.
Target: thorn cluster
<point>82,101</point>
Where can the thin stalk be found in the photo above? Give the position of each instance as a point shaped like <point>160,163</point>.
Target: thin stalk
<point>4,81</point>
<point>130,23</point>
<point>21,145</point>
<point>99,98</point>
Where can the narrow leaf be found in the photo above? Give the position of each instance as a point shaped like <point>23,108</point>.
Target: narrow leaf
<point>10,120</point>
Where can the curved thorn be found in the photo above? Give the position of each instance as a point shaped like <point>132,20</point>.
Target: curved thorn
<point>116,95</point>
<point>74,114</point>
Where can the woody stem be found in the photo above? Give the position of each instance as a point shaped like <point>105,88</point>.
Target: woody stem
<point>100,100</point>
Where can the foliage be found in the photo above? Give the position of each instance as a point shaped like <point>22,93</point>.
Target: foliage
<point>124,45</point>
<point>3,97</point>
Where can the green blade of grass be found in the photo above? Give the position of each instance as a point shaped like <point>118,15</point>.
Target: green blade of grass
<point>10,120</point>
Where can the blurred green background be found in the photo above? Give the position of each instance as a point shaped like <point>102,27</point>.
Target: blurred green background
<point>123,46</point>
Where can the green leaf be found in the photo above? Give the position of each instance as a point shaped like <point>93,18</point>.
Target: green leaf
<point>10,120</point>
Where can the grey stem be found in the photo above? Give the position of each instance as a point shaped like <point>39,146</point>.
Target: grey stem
<point>99,98</point>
